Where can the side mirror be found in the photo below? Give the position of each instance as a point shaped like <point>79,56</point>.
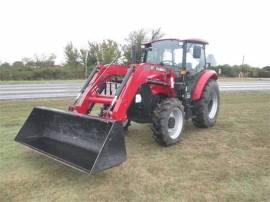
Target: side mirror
<point>197,52</point>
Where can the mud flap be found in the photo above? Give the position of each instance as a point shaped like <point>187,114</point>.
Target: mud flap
<point>87,143</point>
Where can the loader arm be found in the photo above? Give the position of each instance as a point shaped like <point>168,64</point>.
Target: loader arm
<point>157,76</point>
<point>91,95</point>
<point>142,74</point>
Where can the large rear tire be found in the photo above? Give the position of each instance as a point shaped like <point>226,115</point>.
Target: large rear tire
<point>168,122</point>
<point>206,109</point>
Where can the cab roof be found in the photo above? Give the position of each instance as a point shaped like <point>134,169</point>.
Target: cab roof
<point>191,40</point>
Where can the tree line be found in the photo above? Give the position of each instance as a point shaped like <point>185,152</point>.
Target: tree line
<point>109,51</point>
<point>244,70</point>
<point>79,61</point>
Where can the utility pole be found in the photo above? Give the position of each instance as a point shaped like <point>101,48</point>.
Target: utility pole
<point>243,60</point>
<point>85,64</point>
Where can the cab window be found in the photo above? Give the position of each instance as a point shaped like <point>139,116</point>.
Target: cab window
<point>195,58</point>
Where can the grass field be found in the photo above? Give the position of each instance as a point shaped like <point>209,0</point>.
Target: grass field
<point>229,162</point>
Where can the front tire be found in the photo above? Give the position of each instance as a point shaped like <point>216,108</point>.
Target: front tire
<point>206,109</point>
<point>168,122</point>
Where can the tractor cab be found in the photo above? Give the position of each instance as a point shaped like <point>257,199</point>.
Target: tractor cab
<point>186,57</point>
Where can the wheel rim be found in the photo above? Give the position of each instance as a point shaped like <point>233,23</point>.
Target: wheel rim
<point>175,123</point>
<point>213,106</point>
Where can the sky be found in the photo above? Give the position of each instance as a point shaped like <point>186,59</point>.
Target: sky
<point>233,28</point>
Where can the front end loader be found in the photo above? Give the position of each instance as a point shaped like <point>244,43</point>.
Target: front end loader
<point>170,86</point>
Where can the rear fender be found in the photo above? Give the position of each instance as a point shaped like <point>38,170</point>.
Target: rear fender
<point>201,82</point>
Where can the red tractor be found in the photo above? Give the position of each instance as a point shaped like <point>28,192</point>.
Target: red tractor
<point>171,85</point>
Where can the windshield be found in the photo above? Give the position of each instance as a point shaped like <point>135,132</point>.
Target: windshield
<point>168,53</point>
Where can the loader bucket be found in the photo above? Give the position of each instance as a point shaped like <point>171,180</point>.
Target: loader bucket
<point>87,143</point>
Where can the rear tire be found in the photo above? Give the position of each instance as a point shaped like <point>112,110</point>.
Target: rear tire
<point>206,109</point>
<point>168,122</point>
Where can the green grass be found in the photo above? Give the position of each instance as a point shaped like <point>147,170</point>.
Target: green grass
<point>229,162</point>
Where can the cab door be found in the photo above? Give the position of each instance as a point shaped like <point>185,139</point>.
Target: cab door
<point>195,61</point>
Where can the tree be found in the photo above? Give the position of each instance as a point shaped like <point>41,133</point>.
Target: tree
<point>26,60</point>
<point>84,57</point>
<point>40,61</point>
<point>50,60</point>
<point>103,53</point>
<point>5,65</point>
<point>94,55</point>
<point>72,55</point>
<point>18,64</point>
<point>156,34</point>
<point>135,39</point>
<point>109,51</point>
<point>84,60</point>
<point>266,68</point>
<point>264,72</point>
